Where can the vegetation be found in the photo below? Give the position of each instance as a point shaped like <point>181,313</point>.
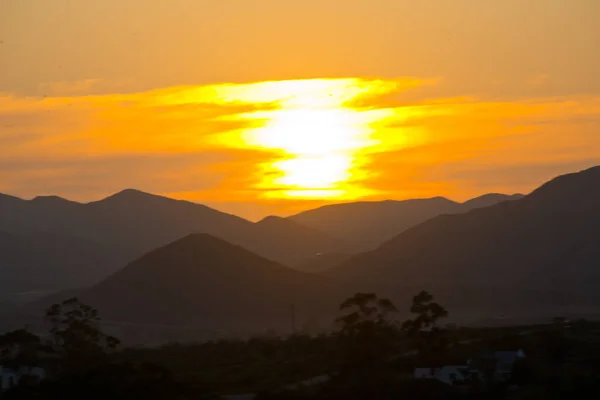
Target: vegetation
<point>369,355</point>
<point>78,358</point>
<point>74,337</point>
<point>427,337</point>
<point>365,340</point>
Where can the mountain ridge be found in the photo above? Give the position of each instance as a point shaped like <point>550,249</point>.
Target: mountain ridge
<point>130,223</point>
<point>371,223</point>
<point>200,280</point>
<point>539,243</point>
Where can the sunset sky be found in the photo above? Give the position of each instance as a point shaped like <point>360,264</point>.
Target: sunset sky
<point>274,106</point>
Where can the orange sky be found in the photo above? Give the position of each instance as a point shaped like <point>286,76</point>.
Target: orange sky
<point>363,100</point>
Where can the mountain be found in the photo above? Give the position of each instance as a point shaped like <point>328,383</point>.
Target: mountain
<point>205,282</point>
<point>322,262</point>
<point>489,200</point>
<point>539,251</point>
<point>47,262</point>
<point>293,238</point>
<point>371,223</point>
<point>131,223</point>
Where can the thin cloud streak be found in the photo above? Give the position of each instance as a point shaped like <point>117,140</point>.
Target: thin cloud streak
<point>193,142</point>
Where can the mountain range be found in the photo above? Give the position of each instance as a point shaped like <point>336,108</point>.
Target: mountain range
<point>45,262</point>
<point>205,284</point>
<point>322,262</point>
<point>65,244</point>
<point>123,227</point>
<point>534,257</point>
<point>539,250</point>
<point>369,224</point>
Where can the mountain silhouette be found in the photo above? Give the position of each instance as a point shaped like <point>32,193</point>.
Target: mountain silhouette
<point>369,224</point>
<point>204,281</point>
<point>322,262</point>
<point>131,223</point>
<point>545,242</point>
<point>45,262</point>
<point>488,200</point>
<point>290,234</point>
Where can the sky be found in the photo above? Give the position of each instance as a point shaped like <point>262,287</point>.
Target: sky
<point>261,107</point>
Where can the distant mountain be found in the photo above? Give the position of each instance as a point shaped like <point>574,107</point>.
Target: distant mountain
<point>131,223</point>
<point>488,200</point>
<point>371,223</point>
<point>46,262</point>
<point>206,282</point>
<point>541,249</point>
<point>322,262</point>
<point>293,238</point>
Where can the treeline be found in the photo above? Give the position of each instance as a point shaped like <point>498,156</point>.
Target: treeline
<point>75,360</point>
<point>368,355</point>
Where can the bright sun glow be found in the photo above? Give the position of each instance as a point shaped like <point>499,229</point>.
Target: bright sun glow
<point>321,136</point>
<point>320,130</point>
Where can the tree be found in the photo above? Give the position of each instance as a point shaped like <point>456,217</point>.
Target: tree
<point>428,337</point>
<point>19,348</point>
<point>366,309</point>
<point>367,338</point>
<point>75,337</point>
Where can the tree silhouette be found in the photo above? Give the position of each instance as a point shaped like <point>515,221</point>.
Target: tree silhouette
<point>82,367</point>
<point>427,314</point>
<point>427,336</point>
<point>366,311</point>
<point>19,348</point>
<point>75,337</point>
<point>367,339</point>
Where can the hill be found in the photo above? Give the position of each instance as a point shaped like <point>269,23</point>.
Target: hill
<point>322,262</point>
<point>539,249</point>
<point>292,237</point>
<point>131,223</point>
<point>204,282</point>
<point>488,200</point>
<point>46,262</point>
<point>372,223</point>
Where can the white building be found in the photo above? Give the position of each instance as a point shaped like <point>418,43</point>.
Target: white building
<point>498,365</point>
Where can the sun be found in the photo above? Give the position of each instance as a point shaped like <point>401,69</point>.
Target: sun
<point>319,133</point>
<point>320,136</point>
<point>319,146</point>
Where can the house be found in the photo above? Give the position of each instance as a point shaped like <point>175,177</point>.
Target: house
<point>496,366</point>
<point>10,378</point>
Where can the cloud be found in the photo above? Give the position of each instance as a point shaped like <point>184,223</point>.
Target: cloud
<point>192,142</point>
<point>463,150</point>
